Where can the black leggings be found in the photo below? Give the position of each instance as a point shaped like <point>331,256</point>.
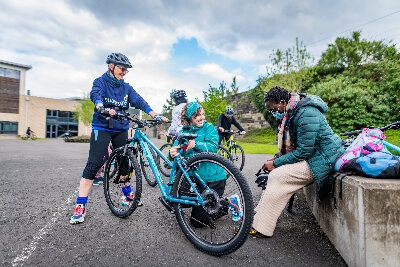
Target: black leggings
<point>99,141</point>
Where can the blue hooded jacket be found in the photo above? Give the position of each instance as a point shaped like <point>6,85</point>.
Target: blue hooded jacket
<point>112,95</point>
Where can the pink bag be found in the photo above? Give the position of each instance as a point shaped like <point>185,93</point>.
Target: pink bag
<point>367,141</point>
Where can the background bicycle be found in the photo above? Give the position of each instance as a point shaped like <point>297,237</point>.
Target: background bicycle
<point>232,150</point>
<point>185,191</point>
<point>391,147</point>
<point>164,167</point>
<point>31,136</point>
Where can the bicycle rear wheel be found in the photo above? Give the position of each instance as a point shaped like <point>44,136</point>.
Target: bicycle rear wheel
<point>164,167</point>
<point>223,151</point>
<point>146,169</point>
<point>218,232</point>
<point>113,182</point>
<point>238,157</point>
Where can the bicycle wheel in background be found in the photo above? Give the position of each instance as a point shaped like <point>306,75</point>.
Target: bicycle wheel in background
<point>223,151</point>
<point>217,231</point>
<point>112,183</point>
<point>164,167</point>
<point>238,157</point>
<point>146,169</point>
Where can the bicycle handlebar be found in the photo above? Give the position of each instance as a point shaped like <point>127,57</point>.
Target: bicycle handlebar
<point>394,126</point>
<point>230,131</point>
<point>127,116</point>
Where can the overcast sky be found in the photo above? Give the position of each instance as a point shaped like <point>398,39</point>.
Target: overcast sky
<point>174,44</point>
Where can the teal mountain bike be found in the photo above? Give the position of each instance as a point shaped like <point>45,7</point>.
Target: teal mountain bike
<point>219,230</point>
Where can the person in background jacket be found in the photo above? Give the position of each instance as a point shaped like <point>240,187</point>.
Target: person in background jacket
<point>308,149</point>
<point>193,119</point>
<point>225,120</point>
<point>176,124</point>
<point>112,93</point>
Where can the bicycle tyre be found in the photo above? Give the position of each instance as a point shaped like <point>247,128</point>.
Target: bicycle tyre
<point>164,169</point>
<point>224,152</point>
<point>111,188</point>
<point>241,235</point>
<point>146,169</point>
<point>238,157</point>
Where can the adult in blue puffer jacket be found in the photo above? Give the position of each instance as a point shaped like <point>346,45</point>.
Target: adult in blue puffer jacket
<point>308,150</point>
<point>112,93</point>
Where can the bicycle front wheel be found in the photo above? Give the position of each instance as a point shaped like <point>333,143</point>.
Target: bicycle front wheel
<point>122,171</point>
<point>238,157</point>
<point>223,151</point>
<point>146,169</point>
<point>216,228</point>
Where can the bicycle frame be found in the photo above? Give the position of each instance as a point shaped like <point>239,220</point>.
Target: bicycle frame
<point>230,142</point>
<point>394,147</point>
<point>394,126</point>
<point>145,142</point>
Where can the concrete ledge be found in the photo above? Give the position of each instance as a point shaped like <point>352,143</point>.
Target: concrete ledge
<point>364,225</point>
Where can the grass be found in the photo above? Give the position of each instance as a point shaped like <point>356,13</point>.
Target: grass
<point>259,141</point>
<point>256,148</point>
<point>261,136</point>
<point>393,137</point>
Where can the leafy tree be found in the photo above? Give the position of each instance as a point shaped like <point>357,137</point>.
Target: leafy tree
<point>169,106</point>
<point>234,87</point>
<point>288,69</point>
<point>84,111</point>
<point>361,97</point>
<point>354,51</point>
<point>217,98</point>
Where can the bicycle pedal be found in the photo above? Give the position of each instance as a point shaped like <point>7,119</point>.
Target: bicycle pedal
<point>167,204</point>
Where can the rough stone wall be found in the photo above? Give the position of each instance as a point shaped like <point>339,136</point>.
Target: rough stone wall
<point>246,113</point>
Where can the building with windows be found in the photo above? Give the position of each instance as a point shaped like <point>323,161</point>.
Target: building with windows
<point>46,117</point>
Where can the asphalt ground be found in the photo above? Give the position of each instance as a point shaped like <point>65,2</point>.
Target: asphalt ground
<point>38,187</point>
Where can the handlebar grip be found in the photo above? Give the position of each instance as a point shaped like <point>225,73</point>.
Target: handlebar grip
<point>103,111</point>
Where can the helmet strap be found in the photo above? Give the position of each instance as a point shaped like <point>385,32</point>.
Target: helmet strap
<point>112,70</point>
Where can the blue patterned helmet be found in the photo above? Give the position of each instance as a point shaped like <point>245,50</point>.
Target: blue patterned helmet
<point>229,111</point>
<point>118,58</point>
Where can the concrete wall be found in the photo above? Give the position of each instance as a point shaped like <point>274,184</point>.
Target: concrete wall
<point>365,224</point>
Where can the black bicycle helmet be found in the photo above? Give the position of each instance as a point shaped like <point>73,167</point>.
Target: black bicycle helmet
<point>179,94</point>
<point>229,111</point>
<point>118,58</point>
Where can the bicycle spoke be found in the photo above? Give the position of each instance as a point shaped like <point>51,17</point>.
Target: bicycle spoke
<point>215,223</point>
<point>122,172</point>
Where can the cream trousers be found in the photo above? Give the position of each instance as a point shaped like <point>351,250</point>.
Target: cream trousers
<point>282,183</point>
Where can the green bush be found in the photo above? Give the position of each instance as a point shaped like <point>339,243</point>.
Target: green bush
<point>361,97</point>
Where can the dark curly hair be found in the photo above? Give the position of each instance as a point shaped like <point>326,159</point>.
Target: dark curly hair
<point>277,94</point>
<point>184,118</point>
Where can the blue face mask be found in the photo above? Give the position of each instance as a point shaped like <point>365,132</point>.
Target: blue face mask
<point>278,115</point>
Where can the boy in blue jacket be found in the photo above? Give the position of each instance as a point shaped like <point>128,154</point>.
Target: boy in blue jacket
<point>112,93</point>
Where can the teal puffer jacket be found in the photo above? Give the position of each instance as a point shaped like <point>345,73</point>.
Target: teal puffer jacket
<point>314,140</point>
<point>206,141</point>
